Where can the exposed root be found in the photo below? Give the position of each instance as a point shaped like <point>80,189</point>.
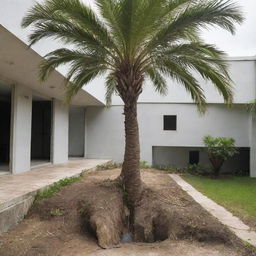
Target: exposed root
<point>105,214</point>
<point>159,217</point>
<point>164,212</point>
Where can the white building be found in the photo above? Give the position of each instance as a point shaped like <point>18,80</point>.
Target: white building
<point>37,128</point>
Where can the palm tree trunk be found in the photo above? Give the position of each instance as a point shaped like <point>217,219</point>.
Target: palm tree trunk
<point>131,165</point>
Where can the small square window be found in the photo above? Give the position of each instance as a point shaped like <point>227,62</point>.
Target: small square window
<point>170,123</point>
<point>193,157</point>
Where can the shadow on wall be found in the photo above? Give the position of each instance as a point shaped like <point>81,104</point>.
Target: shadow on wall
<point>183,156</point>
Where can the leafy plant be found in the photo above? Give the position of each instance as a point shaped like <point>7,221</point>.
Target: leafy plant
<point>169,168</point>
<point>144,165</point>
<point>197,169</point>
<point>56,212</point>
<point>108,166</point>
<point>219,150</point>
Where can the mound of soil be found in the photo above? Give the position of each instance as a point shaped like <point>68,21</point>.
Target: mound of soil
<point>69,223</point>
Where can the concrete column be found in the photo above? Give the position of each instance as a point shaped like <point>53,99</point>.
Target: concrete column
<point>21,129</point>
<point>59,132</point>
<point>253,146</point>
<point>76,131</point>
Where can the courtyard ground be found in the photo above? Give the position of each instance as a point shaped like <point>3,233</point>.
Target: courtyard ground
<point>53,226</point>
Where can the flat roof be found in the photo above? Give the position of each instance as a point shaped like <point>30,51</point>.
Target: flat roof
<point>19,65</point>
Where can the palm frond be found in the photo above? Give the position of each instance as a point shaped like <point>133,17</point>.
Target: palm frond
<point>110,86</point>
<point>206,59</point>
<point>158,80</point>
<point>183,76</point>
<point>75,58</point>
<point>81,78</point>
<point>202,14</point>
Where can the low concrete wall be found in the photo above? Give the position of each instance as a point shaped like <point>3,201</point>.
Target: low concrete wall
<point>12,215</point>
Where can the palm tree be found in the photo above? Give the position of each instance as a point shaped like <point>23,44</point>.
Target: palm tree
<point>129,41</point>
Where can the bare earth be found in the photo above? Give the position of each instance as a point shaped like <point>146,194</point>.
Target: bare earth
<point>43,234</point>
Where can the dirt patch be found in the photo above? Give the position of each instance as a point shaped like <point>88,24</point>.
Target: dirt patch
<point>53,226</point>
<point>251,222</point>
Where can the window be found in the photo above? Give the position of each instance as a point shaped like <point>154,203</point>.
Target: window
<point>170,123</point>
<point>193,157</point>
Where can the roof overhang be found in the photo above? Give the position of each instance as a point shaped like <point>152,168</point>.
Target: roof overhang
<point>19,65</point>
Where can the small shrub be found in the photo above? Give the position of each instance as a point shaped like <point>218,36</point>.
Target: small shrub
<point>144,165</point>
<point>219,150</point>
<point>169,168</point>
<point>197,169</point>
<point>56,212</point>
<point>56,187</point>
<point>108,166</point>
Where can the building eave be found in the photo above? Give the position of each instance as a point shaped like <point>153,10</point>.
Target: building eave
<point>19,64</point>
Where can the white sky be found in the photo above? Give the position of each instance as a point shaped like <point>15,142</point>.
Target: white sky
<point>243,43</point>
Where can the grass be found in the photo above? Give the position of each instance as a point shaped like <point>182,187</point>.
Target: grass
<point>56,212</point>
<point>237,194</point>
<point>55,187</point>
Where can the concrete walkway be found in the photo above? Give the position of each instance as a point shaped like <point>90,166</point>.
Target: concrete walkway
<point>17,191</point>
<point>224,216</point>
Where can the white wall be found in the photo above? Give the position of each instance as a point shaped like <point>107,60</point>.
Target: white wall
<point>60,132</point>
<point>21,129</point>
<point>76,131</point>
<point>105,128</point>
<point>253,145</point>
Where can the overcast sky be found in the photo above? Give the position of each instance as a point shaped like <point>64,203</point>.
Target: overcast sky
<point>243,43</point>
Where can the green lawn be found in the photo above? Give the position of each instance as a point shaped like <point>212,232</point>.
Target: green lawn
<point>238,194</point>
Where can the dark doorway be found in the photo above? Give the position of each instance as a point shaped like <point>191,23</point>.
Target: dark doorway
<point>5,126</point>
<point>41,132</point>
<point>193,157</point>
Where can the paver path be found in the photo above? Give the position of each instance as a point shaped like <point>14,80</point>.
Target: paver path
<point>234,223</point>
<point>12,187</point>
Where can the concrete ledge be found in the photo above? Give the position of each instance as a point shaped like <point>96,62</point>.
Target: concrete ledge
<point>17,192</point>
<point>11,216</point>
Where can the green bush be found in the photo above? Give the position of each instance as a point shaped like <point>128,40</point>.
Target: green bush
<point>219,150</point>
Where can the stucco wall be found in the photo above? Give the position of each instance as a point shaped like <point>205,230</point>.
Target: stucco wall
<point>105,129</point>
<point>253,145</point>
<point>21,129</point>
<point>60,132</point>
<point>76,131</point>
